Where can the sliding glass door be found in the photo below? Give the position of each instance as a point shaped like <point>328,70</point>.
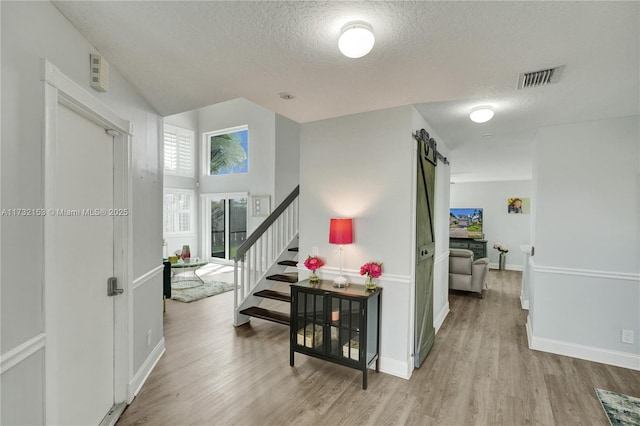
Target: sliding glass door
<point>218,222</point>
<point>225,224</point>
<point>237,224</point>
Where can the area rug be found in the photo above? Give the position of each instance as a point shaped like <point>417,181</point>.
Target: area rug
<point>209,288</point>
<point>622,410</point>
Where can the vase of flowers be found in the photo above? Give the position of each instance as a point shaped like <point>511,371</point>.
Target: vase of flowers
<point>313,263</point>
<point>372,270</point>
<point>186,253</point>
<point>503,249</point>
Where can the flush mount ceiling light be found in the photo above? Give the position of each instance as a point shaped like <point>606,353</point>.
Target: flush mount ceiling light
<point>356,39</point>
<point>481,114</point>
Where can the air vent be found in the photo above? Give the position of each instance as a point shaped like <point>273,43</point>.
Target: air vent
<point>539,78</point>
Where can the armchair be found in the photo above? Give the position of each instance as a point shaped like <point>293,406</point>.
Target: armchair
<point>465,273</point>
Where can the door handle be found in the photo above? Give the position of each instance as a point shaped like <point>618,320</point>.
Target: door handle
<point>112,287</point>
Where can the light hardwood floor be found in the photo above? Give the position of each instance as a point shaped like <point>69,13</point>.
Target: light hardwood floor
<point>479,372</point>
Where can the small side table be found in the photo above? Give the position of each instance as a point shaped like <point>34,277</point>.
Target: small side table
<point>183,274</point>
<point>339,325</point>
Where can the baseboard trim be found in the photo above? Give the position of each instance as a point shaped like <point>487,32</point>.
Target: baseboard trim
<point>21,352</point>
<point>145,370</point>
<point>529,332</point>
<point>147,276</point>
<point>113,415</point>
<point>588,353</point>
<point>524,303</point>
<point>442,315</point>
<point>395,368</point>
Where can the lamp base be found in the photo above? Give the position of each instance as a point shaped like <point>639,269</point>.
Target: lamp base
<point>340,282</point>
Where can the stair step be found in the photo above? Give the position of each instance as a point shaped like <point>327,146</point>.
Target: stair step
<point>285,278</point>
<point>293,249</point>
<point>266,314</point>
<point>275,295</point>
<point>288,263</point>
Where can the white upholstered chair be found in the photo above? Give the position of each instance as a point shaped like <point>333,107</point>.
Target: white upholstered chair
<point>465,273</point>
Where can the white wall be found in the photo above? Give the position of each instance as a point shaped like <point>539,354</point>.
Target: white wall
<point>586,270</point>
<point>498,225</point>
<point>30,31</point>
<point>368,175</point>
<point>287,165</point>
<point>260,178</point>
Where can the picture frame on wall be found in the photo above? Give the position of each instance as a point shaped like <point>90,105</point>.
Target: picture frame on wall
<point>518,205</point>
<point>260,205</point>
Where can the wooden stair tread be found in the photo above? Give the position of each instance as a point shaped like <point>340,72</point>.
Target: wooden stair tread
<point>275,295</point>
<point>288,263</point>
<point>266,314</point>
<point>293,249</point>
<point>286,278</point>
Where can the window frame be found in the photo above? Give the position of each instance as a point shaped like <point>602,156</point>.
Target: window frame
<point>176,218</point>
<point>205,202</point>
<point>205,162</point>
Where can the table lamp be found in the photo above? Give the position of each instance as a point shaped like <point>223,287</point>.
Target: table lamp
<point>340,232</point>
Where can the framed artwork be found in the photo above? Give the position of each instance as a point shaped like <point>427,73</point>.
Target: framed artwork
<point>260,205</point>
<point>518,205</point>
<point>228,151</point>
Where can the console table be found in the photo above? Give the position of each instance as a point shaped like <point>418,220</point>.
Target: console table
<point>478,247</point>
<point>340,325</point>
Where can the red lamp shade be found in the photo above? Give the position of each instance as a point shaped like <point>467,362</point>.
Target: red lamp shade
<point>341,231</point>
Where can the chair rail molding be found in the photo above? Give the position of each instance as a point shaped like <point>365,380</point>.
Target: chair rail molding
<point>330,273</point>
<point>147,276</point>
<point>624,276</point>
<point>21,352</point>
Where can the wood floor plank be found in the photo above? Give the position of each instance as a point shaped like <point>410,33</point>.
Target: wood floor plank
<point>479,372</point>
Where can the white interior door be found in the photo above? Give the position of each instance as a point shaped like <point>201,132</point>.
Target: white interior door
<point>81,350</point>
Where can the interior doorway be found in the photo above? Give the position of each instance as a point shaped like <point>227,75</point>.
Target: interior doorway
<point>87,223</point>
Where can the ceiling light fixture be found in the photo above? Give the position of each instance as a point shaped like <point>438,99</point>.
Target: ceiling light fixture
<point>356,39</point>
<point>481,114</point>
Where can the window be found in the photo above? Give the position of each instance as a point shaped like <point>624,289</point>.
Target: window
<point>178,211</point>
<point>225,224</point>
<point>178,151</point>
<point>226,151</point>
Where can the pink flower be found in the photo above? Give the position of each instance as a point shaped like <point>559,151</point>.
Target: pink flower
<point>373,269</point>
<point>313,263</point>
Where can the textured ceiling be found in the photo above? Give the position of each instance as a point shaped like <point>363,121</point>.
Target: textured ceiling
<point>445,57</point>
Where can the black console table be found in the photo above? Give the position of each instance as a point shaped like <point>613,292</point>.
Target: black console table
<point>478,247</point>
<point>341,325</point>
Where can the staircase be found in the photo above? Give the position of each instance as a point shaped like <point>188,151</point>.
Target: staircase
<point>265,264</point>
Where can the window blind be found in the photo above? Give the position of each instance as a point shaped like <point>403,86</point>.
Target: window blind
<point>178,211</point>
<point>178,151</point>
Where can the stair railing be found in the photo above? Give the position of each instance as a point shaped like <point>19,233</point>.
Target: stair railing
<point>263,247</point>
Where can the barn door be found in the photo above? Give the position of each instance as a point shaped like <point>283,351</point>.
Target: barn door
<point>425,248</point>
